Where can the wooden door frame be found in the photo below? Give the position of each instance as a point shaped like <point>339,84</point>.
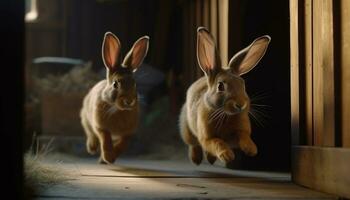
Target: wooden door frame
<point>320,141</point>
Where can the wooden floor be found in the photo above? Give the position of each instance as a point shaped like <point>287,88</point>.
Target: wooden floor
<point>150,179</point>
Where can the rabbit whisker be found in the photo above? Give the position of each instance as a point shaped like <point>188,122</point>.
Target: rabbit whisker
<point>255,99</point>
<point>214,115</point>
<point>255,119</point>
<point>221,120</point>
<point>112,110</point>
<point>218,121</point>
<point>261,115</point>
<point>260,105</point>
<point>259,96</point>
<point>260,112</point>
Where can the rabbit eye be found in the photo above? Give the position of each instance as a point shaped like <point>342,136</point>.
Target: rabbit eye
<point>115,84</point>
<point>221,87</point>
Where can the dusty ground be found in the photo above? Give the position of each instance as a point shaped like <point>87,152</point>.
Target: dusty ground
<point>174,179</point>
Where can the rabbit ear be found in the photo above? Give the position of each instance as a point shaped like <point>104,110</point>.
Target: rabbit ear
<point>248,58</point>
<point>207,56</point>
<point>111,51</point>
<point>137,53</point>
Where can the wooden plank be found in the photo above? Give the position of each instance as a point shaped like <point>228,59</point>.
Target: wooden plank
<point>323,70</point>
<point>345,72</point>
<point>199,13</point>
<point>294,72</point>
<point>223,30</point>
<point>214,18</point>
<point>308,72</point>
<point>155,179</point>
<point>199,20</point>
<point>328,74</point>
<point>322,168</point>
<point>317,75</point>
<point>206,13</point>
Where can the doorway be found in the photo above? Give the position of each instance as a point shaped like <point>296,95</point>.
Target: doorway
<point>67,41</point>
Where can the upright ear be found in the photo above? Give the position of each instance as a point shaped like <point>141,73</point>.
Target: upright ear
<point>111,51</point>
<point>248,58</point>
<point>137,53</point>
<point>207,56</point>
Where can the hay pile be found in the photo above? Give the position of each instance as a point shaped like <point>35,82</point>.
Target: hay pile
<point>38,173</point>
<point>78,79</point>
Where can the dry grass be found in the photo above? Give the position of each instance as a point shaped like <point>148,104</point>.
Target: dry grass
<point>78,79</point>
<point>39,173</point>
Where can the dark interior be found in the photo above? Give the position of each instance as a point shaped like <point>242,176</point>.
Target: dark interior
<point>164,21</point>
<point>173,65</point>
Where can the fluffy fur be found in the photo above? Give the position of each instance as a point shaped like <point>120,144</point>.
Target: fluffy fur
<point>110,110</point>
<point>214,118</point>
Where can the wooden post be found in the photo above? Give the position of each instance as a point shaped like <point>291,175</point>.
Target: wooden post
<point>308,72</point>
<point>323,70</point>
<point>345,72</point>
<point>223,31</point>
<point>294,73</point>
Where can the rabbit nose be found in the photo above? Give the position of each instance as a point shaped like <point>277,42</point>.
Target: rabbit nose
<point>240,107</point>
<point>129,102</point>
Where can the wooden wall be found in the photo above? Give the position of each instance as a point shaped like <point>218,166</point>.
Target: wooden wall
<point>344,78</point>
<point>320,79</point>
<point>212,14</point>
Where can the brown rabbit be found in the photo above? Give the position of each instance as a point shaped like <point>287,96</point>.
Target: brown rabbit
<point>215,115</point>
<point>110,110</point>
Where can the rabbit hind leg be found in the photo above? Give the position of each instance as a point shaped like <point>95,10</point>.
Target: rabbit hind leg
<point>195,151</point>
<point>91,138</point>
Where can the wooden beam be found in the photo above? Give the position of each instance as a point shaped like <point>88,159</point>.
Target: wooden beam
<point>322,168</point>
<point>214,18</point>
<point>345,72</point>
<point>323,68</point>
<point>223,6</point>
<point>308,72</point>
<point>294,71</point>
<point>199,21</point>
<point>206,13</point>
<point>317,75</point>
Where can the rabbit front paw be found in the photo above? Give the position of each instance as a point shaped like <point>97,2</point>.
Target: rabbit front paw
<point>195,154</point>
<point>108,157</point>
<point>248,147</point>
<point>91,146</point>
<point>210,158</point>
<point>226,156</point>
